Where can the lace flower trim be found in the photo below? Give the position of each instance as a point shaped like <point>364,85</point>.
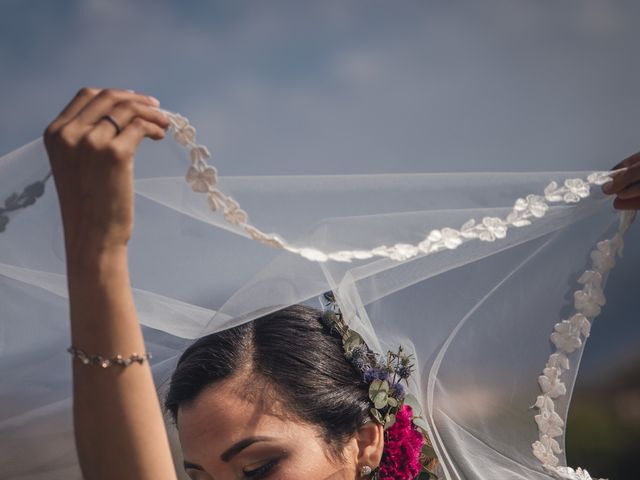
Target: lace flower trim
<point>568,336</point>
<point>203,178</point>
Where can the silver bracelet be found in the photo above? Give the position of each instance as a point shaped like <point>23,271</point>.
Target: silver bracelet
<point>107,362</point>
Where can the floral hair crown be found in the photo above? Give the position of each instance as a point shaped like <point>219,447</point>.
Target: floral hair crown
<point>408,453</point>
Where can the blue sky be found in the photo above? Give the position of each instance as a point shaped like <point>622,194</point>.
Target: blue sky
<point>356,86</point>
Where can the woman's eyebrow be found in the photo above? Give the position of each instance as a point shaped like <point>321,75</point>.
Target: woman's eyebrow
<point>241,445</point>
<point>231,451</point>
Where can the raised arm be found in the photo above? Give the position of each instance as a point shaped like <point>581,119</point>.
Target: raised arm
<point>118,421</point>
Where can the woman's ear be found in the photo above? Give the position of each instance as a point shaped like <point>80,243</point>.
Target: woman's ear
<point>370,438</point>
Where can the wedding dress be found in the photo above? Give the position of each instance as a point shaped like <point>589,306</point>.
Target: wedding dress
<point>491,280</point>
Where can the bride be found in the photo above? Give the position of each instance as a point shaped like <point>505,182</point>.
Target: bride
<point>280,397</point>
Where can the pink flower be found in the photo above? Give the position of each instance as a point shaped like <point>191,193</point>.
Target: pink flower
<point>402,448</point>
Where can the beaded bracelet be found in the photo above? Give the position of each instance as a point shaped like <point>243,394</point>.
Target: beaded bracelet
<point>107,362</point>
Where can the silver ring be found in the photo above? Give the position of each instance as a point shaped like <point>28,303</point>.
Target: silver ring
<point>113,122</point>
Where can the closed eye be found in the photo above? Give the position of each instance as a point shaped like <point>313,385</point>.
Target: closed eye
<point>263,471</point>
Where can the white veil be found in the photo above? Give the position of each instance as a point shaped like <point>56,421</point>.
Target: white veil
<point>495,311</point>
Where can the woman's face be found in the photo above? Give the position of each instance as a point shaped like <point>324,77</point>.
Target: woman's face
<point>229,434</point>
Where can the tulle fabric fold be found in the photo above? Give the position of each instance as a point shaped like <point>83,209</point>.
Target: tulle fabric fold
<point>477,317</point>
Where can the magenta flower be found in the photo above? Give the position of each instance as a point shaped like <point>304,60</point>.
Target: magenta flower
<point>403,445</point>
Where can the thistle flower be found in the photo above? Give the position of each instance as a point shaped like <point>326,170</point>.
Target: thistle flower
<point>404,371</point>
<point>359,351</point>
<point>399,391</point>
<point>372,374</point>
<point>360,362</point>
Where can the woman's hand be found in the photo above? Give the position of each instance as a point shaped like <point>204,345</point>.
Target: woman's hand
<point>92,164</point>
<point>626,184</point>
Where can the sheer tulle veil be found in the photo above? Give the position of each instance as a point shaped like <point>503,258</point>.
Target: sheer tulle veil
<point>491,280</point>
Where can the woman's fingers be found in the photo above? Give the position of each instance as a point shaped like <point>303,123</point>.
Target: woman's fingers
<point>625,184</point>
<point>85,111</point>
<point>82,121</point>
<point>627,162</point>
<point>124,113</point>
<point>630,191</point>
<point>623,179</point>
<point>82,97</point>
<point>104,102</point>
<point>627,204</point>
<point>78,102</point>
<point>127,142</point>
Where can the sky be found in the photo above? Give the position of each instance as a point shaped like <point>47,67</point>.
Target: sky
<point>302,87</point>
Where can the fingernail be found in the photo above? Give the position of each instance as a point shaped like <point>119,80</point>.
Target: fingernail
<point>154,100</point>
<point>620,171</point>
<point>166,117</point>
<point>130,91</point>
<point>607,187</point>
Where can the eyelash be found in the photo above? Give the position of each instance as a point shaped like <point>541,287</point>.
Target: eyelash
<point>263,471</point>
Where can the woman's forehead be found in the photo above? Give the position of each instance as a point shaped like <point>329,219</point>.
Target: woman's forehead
<point>236,407</point>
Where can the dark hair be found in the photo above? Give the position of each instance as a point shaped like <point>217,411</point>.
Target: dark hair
<point>294,352</point>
